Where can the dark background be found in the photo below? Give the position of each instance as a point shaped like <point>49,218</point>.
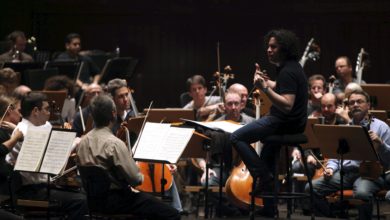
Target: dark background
<point>174,39</point>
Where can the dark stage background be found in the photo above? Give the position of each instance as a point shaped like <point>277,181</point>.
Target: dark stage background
<point>174,39</point>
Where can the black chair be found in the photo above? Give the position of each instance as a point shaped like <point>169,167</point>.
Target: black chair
<point>286,140</point>
<point>185,98</point>
<point>96,183</point>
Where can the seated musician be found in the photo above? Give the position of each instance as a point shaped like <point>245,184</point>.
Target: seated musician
<point>78,124</point>
<point>243,91</point>
<point>233,113</point>
<point>36,113</point>
<point>363,188</point>
<point>101,147</point>
<point>203,105</point>
<point>119,92</point>
<point>9,80</point>
<point>316,91</point>
<point>16,53</point>
<point>90,72</point>
<point>345,75</point>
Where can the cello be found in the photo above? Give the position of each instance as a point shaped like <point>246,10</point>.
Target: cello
<point>239,184</point>
<point>157,176</point>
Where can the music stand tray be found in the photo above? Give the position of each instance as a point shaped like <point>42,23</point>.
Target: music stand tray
<point>119,67</point>
<point>356,138</point>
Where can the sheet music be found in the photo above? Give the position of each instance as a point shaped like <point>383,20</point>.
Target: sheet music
<point>58,151</point>
<point>33,147</point>
<point>162,142</point>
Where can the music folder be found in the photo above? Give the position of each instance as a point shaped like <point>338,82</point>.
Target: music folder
<point>160,142</point>
<point>356,138</point>
<point>45,150</point>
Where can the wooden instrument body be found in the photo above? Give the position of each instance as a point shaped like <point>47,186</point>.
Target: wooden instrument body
<point>153,176</point>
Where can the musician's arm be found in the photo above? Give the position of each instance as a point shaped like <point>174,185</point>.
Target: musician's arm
<point>124,162</point>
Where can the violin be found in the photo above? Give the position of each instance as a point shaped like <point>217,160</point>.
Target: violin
<point>239,184</point>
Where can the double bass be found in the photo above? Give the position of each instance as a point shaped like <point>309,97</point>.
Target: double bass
<point>239,184</point>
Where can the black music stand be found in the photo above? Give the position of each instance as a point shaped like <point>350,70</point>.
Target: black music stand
<point>36,78</point>
<point>119,67</point>
<point>379,95</point>
<point>345,142</point>
<point>71,69</point>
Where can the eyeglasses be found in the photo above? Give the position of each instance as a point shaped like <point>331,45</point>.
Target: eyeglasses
<point>353,102</point>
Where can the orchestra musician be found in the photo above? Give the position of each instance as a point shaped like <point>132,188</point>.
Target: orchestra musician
<point>363,188</point>
<point>345,75</point>
<point>21,91</point>
<point>36,112</point>
<point>101,147</point>
<point>288,113</point>
<point>316,91</point>
<point>243,91</point>
<point>9,80</point>
<point>119,92</point>
<point>91,91</point>
<point>203,105</point>
<point>90,72</point>
<point>16,52</point>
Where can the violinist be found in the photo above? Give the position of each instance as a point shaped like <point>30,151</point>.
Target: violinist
<point>91,91</point>
<point>101,147</point>
<point>35,110</point>
<point>363,188</point>
<point>16,52</point>
<point>288,113</point>
<point>9,80</point>
<point>203,105</point>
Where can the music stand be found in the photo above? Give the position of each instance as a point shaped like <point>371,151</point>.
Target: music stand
<point>35,78</point>
<point>169,115</point>
<point>345,142</point>
<point>379,95</point>
<point>22,67</point>
<point>118,67</point>
<point>56,98</point>
<point>71,69</point>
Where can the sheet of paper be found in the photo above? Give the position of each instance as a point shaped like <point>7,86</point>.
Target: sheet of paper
<point>33,147</point>
<point>162,142</point>
<point>217,125</point>
<point>175,143</point>
<point>58,151</point>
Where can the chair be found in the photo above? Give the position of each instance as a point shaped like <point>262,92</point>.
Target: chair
<point>185,98</point>
<point>96,183</point>
<point>286,140</point>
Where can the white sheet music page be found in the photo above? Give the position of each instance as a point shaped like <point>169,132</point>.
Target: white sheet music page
<point>33,147</point>
<point>175,143</point>
<point>224,125</point>
<point>162,142</point>
<point>58,151</point>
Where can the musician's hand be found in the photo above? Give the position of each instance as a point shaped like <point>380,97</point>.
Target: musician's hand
<point>67,126</point>
<point>8,125</point>
<point>221,108</point>
<point>296,154</point>
<point>375,139</point>
<point>342,111</point>
<point>259,79</point>
<point>172,168</point>
<point>328,172</point>
<point>211,173</point>
<point>310,160</point>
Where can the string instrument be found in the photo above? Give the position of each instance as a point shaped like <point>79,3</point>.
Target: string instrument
<point>239,184</point>
<point>312,52</point>
<point>361,63</point>
<point>156,175</point>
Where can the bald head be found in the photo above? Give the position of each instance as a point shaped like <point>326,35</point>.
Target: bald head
<point>242,90</point>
